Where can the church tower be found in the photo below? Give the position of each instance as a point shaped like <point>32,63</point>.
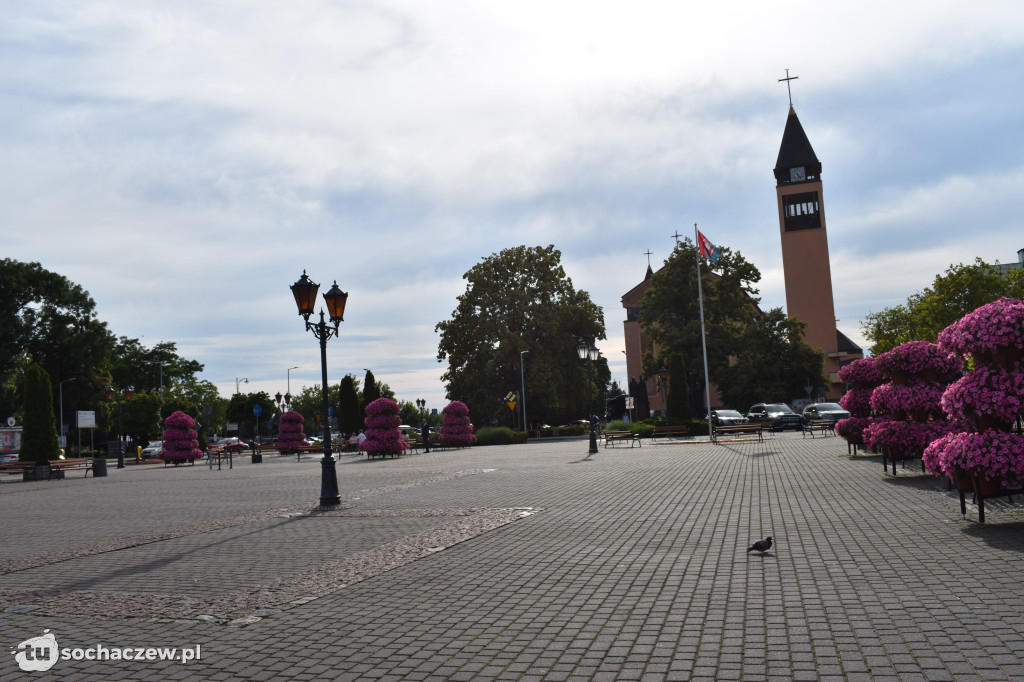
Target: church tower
<point>805,259</point>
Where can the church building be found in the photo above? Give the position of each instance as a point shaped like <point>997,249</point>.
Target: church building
<point>805,260</point>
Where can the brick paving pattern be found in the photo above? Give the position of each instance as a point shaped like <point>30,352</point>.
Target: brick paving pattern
<point>632,565</point>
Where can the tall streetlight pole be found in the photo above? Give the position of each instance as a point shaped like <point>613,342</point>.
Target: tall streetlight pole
<point>244,379</point>
<point>589,353</point>
<point>522,390</point>
<point>60,391</point>
<point>304,291</point>
<point>162,363</point>
<point>111,395</point>
<point>663,375</point>
<point>288,393</point>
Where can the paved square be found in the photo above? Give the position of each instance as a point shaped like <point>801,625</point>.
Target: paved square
<point>520,562</point>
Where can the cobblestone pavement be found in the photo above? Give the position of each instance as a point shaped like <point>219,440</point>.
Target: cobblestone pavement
<point>533,562</point>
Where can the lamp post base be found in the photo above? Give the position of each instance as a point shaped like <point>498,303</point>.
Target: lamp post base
<point>329,496</point>
<point>593,442</point>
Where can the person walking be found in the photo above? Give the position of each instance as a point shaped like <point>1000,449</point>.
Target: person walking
<point>425,435</point>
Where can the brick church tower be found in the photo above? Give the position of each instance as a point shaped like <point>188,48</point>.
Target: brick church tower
<point>805,258</point>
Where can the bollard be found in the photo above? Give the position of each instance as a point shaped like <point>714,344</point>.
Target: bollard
<point>138,454</point>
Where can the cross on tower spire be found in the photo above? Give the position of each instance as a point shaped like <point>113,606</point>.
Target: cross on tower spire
<point>787,79</point>
<point>677,236</point>
<point>648,254</point>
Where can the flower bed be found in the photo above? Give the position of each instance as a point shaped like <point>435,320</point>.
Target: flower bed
<point>914,397</point>
<point>992,327</point>
<point>918,358</point>
<point>289,432</point>
<point>994,455</point>
<point>986,390</point>
<point>382,435</point>
<point>904,439</point>
<point>852,428</point>
<point>857,401</point>
<point>456,431</point>
<point>861,373</point>
<point>181,442</point>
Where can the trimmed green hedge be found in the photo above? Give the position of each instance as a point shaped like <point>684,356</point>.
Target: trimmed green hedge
<point>499,435</point>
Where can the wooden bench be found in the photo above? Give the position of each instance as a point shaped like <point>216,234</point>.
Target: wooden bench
<point>617,436</point>
<point>16,467</point>
<point>59,466</point>
<point>751,429</point>
<point>822,426</point>
<point>670,431</point>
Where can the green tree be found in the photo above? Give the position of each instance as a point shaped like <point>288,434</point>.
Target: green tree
<point>775,365</point>
<point>679,407</point>
<point>350,417</point>
<point>521,300</point>
<point>140,418</point>
<point>39,432</point>
<point>371,389</point>
<point>241,411</point>
<point>671,308</point>
<point>133,364</point>
<point>953,294</point>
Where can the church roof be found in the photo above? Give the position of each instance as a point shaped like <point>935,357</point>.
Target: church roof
<point>846,345</point>
<point>796,149</point>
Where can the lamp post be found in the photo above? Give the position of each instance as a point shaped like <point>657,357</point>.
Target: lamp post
<point>522,391</point>
<point>589,353</point>
<point>304,291</point>
<point>244,379</point>
<point>111,395</point>
<point>422,404</point>
<point>288,395</point>
<point>663,376</point>
<point>60,391</point>
<point>162,363</point>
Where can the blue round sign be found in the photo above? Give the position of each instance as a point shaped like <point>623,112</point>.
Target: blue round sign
<point>257,409</point>
<point>330,411</point>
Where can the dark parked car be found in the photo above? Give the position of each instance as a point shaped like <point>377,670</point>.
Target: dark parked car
<point>778,414</point>
<point>831,411</point>
<point>727,417</point>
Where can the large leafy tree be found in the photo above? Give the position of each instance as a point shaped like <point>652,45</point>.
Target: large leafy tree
<point>953,294</point>
<point>240,410</point>
<point>133,364</point>
<point>774,365</point>
<point>671,308</point>
<point>521,300</point>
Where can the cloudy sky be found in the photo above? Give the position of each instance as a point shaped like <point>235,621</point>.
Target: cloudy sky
<point>185,162</point>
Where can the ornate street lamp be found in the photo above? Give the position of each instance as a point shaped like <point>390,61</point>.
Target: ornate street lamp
<point>304,291</point>
<point>127,393</point>
<point>422,404</point>
<point>589,353</point>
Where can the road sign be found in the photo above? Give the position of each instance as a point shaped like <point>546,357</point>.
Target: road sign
<point>510,397</point>
<point>257,409</point>
<point>511,404</point>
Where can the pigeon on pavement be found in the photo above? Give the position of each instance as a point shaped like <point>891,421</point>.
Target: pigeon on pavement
<point>761,546</point>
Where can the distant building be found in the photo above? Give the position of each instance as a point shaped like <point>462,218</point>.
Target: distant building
<point>1006,267</point>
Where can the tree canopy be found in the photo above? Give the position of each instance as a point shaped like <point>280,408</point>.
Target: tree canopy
<point>953,294</point>
<point>752,356</point>
<point>521,300</point>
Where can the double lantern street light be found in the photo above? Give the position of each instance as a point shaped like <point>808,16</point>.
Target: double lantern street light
<point>305,291</point>
<point>111,395</point>
<point>590,354</point>
<point>422,404</point>
<point>663,376</point>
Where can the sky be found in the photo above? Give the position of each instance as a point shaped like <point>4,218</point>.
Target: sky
<point>185,162</point>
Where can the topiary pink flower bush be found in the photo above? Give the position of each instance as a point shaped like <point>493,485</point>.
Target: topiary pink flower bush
<point>993,454</point>
<point>289,432</point>
<point>456,431</point>
<point>181,442</point>
<point>995,327</point>
<point>382,435</point>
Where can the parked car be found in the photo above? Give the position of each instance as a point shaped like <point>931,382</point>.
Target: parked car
<point>831,411</point>
<point>778,414</point>
<point>727,417</point>
<point>8,457</point>
<point>153,450</point>
<point>230,445</point>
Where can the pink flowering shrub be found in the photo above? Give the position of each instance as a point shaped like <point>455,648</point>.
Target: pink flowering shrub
<point>993,455</point>
<point>986,390</point>
<point>862,373</point>
<point>991,327</point>
<point>904,439</point>
<point>918,357</point>
<point>181,442</point>
<point>852,428</point>
<point>914,397</point>
<point>382,434</point>
<point>456,431</point>
<point>857,401</point>
<point>289,432</point>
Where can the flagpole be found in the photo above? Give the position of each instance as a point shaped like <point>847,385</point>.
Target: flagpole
<point>703,337</point>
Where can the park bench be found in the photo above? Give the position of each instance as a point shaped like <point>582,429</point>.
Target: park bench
<point>822,426</point>
<point>670,431</point>
<point>16,467</point>
<point>611,437</point>
<point>59,466</point>
<point>751,429</point>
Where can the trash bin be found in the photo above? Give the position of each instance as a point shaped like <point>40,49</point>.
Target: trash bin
<point>99,467</point>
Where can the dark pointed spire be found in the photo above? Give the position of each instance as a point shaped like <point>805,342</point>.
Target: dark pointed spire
<point>795,152</point>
